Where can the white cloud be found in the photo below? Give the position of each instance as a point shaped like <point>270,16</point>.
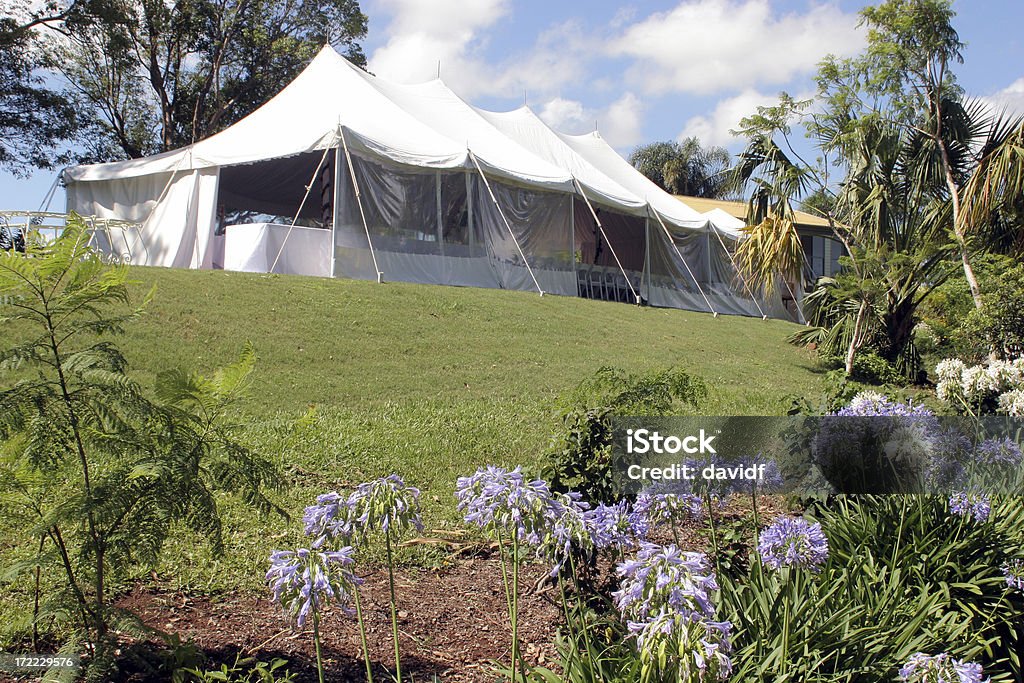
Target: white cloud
<point>707,46</point>
<point>423,34</point>
<point>713,128</point>
<point>454,34</point>
<point>1009,99</point>
<point>620,123</point>
<point>567,116</point>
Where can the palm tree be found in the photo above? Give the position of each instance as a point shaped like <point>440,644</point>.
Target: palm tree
<point>685,168</point>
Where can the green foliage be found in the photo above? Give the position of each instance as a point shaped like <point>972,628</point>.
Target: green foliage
<point>98,473</point>
<point>999,326</point>
<point>685,168</point>
<point>34,121</point>
<point>579,458</point>
<point>837,391</point>
<point>244,670</point>
<point>964,332</point>
<point>902,577</point>
<point>147,77</point>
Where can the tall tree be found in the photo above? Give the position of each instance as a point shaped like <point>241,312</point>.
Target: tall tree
<point>34,120</point>
<point>891,120</point>
<point>912,49</point>
<point>686,168</point>
<point>153,75</point>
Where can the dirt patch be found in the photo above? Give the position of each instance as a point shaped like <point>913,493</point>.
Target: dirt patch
<point>453,621</point>
<point>453,624</point>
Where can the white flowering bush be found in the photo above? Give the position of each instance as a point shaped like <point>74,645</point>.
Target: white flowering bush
<point>995,387</point>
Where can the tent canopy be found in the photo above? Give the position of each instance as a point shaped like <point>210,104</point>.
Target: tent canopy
<point>414,182</point>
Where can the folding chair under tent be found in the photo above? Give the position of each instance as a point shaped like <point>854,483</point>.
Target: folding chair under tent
<point>376,180</point>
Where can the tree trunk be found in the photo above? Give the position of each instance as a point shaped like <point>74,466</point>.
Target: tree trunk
<point>851,352</point>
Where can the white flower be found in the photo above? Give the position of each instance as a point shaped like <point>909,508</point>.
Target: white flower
<point>1012,403</point>
<point>978,384</point>
<point>866,402</point>
<point>1006,375</point>
<point>947,390</point>
<point>950,370</point>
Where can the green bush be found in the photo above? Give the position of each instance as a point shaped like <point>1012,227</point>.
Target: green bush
<point>957,329</point>
<point>579,458</point>
<point>999,326</point>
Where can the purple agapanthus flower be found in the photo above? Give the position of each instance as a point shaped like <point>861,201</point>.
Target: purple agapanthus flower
<point>1000,452</point>
<point>873,404</point>
<point>940,668</point>
<point>1014,573</point>
<point>303,581</point>
<point>387,505</point>
<point>668,508</point>
<point>616,525</point>
<point>973,505</point>
<point>503,502</point>
<point>665,597</point>
<point>793,542</point>
<point>568,532</point>
<point>330,517</point>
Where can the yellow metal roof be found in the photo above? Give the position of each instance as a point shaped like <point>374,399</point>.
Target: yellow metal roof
<point>739,210</point>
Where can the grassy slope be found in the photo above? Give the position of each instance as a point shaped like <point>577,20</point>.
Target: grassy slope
<point>427,381</point>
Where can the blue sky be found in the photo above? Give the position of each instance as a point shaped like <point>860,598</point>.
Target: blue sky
<point>641,71</point>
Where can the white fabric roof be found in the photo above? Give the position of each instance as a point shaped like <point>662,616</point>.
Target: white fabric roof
<point>424,125</point>
<point>523,126</point>
<point>305,116</point>
<point>593,148</point>
<point>436,105</point>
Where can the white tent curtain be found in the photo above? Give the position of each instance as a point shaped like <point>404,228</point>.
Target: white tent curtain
<point>177,212</point>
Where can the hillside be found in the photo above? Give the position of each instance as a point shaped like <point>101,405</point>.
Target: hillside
<point>356,380</point>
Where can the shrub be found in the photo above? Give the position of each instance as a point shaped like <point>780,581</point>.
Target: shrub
<point>579,458</point>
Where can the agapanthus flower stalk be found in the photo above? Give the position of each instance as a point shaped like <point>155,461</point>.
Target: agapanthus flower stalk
<point>665,597</point>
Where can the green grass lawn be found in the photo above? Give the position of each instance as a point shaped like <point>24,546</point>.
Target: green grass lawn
<point>429,382</point>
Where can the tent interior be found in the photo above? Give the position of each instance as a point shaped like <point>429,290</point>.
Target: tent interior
<point>515,206</point>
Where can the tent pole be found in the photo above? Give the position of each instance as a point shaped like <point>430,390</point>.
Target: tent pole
<point>572,240</point>
<point>469,211</point>
<point>440,213</point>
<point>739,275</point>
<point>309,188</point>
<point>359,201</point>
<point>505,220</point>
<point>336,191</point>
<point>796,302</point>
<point>685,264</point>
<point>600,227</point>
<point>647,256</point>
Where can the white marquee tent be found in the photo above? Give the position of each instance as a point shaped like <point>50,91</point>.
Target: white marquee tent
<point>410,183</point>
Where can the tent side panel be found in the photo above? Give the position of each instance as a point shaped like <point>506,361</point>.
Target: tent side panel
<point>541,225</point>
<point>177,216</point>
